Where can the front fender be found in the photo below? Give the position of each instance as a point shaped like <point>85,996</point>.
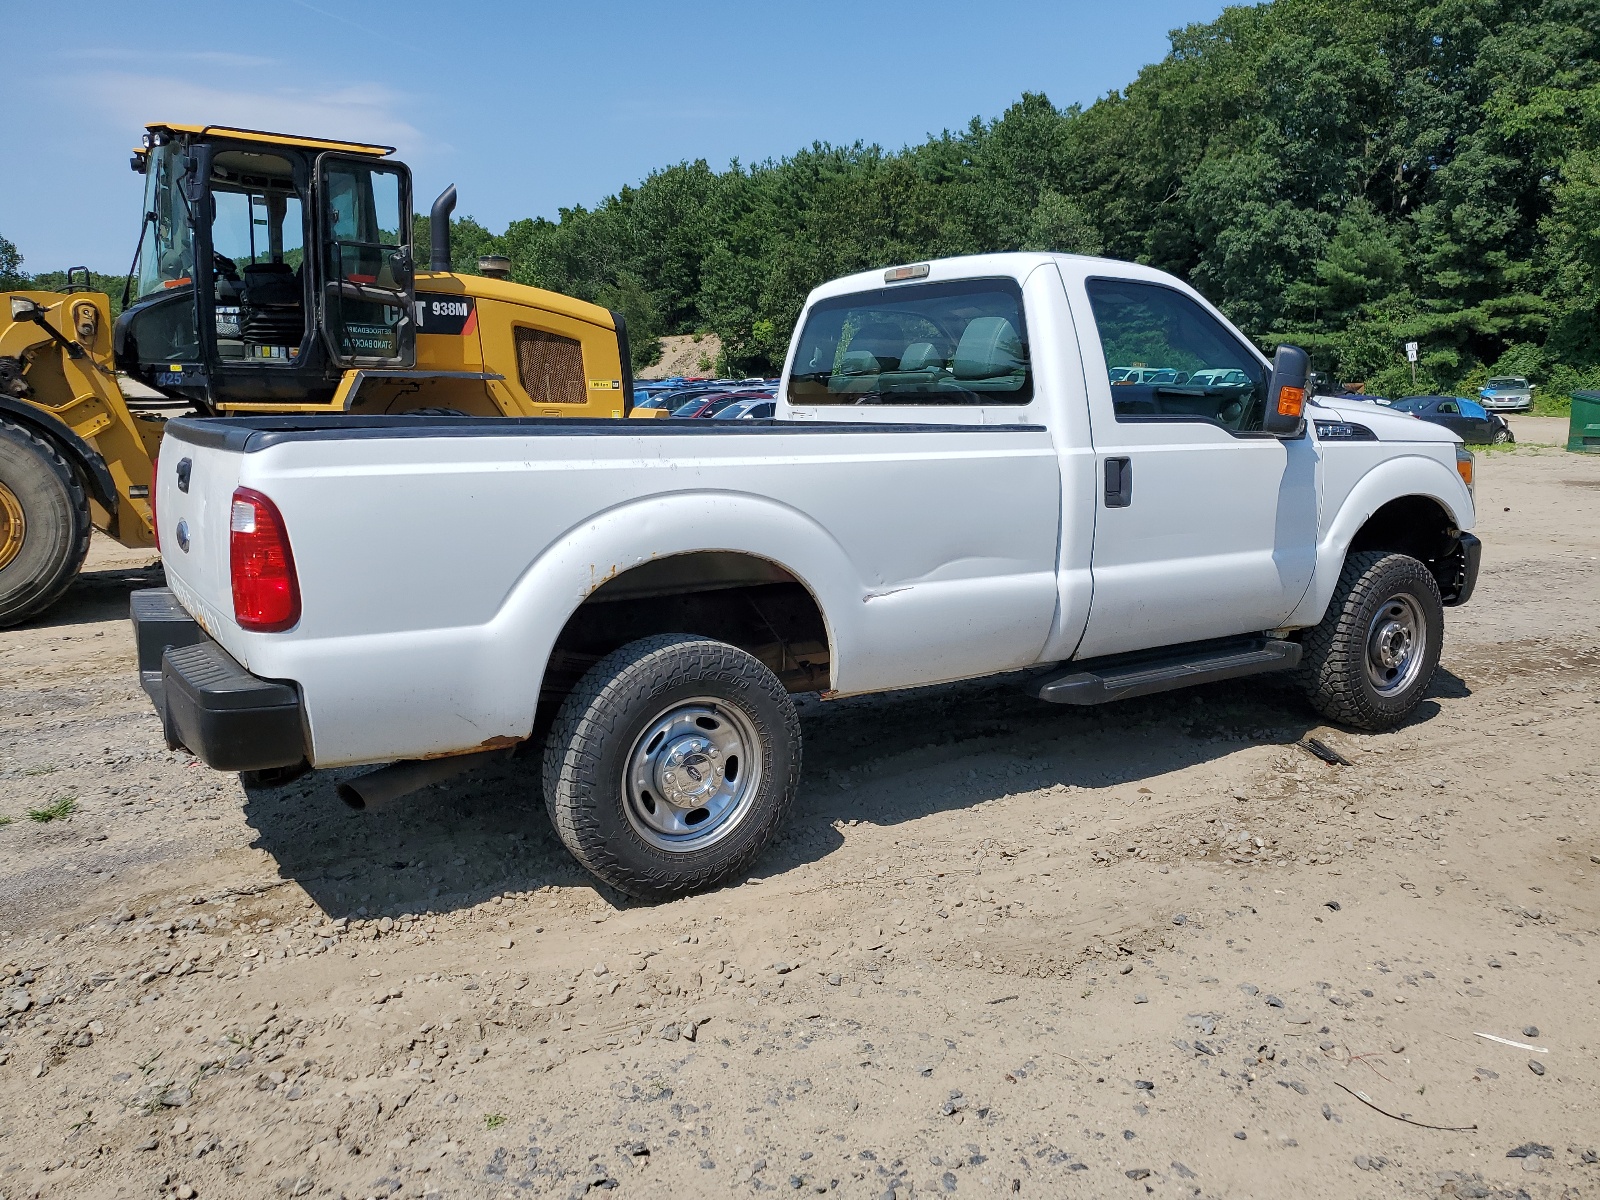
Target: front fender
<point>90,463</point>
<point>1411,474</point>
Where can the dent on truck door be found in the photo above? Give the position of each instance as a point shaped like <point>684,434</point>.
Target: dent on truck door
<point>1210,529</point>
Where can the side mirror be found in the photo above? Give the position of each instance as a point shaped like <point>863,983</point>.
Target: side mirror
<point>402,267</point>
<point>1286,392</point>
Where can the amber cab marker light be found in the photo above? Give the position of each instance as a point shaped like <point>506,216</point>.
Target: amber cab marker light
<point>1290,401</point>
<point>915,271</point>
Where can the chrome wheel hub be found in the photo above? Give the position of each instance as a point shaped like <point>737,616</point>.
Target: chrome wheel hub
<point>1395,645</point>
<point>692,775</point>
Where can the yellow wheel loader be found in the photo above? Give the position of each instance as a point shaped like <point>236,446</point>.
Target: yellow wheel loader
<point>273,274</point>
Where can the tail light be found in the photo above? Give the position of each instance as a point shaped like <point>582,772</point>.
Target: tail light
<point>266,591</point>
<point>155,478</point>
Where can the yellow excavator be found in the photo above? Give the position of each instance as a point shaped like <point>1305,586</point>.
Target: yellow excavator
<point>274,274</point>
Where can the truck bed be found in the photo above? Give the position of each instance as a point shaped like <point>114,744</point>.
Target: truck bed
<point>440,558</point>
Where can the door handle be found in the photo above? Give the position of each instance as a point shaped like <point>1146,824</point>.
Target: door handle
<point>1119,482</point>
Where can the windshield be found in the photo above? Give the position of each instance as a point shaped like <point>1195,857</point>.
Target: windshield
<point>1507,383</point>
<point>962,342</point>
<point>1411,404</point>
<point>166,241</point>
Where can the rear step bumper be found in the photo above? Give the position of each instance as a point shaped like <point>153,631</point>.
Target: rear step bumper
<point>208,703</point>
<point>1097,681</point>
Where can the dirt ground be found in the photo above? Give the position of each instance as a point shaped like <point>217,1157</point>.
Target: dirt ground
<point>684,354</point>
<point>1003,949</point>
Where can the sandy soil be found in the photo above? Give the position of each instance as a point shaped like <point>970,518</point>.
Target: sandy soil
<point>685,354</point>
<point>1003,949</point>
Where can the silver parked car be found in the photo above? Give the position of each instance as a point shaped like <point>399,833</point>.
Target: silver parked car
<point>1507,393</point>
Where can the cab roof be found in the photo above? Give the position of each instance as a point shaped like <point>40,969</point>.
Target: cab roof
<point>234,133</point>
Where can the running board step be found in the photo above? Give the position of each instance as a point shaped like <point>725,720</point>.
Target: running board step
<point>1103,680</point>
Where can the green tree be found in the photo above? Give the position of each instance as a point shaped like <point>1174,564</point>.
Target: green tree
<point>11,273</point>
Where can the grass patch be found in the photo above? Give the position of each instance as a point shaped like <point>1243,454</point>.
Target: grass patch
<point>4,821</point>
<point>44,769</point>
<point>493,1120</point>
<point>63,807</point>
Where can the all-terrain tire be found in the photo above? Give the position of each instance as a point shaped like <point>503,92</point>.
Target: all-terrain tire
<point>1343,666</point>
<point>55,512</point>
<point>601,728</point>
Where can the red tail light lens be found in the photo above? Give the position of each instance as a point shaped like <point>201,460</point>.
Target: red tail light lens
<point>266,591</point>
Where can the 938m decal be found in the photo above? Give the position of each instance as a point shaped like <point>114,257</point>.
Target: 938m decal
<point>441,314</point>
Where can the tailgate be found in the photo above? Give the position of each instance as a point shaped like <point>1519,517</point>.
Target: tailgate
<point>195,478</point>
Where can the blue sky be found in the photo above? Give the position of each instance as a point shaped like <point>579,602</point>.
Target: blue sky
<point>525,107</point>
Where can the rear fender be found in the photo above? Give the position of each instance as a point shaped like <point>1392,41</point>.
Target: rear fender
<point>586,558</point>
<point>481,683</point>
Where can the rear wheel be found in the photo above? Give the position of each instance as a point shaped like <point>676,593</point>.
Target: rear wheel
<point>44,524</point>
<point>671,765</point>
<point>1371,659</point>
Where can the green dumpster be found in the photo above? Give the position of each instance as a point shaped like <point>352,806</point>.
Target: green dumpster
<point>1583,434</point>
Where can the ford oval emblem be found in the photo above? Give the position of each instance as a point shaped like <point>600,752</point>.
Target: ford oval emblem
<point>183,536</point>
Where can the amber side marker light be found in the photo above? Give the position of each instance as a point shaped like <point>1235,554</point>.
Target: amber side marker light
<point>1464,465</point>
<point>1291,400</point>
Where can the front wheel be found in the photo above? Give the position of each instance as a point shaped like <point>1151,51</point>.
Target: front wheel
<point>671,765</point>
<point>1371,659</point>
<point>44,524</point>
<point>1502,436</point>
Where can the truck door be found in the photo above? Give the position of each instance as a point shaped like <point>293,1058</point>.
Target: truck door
<point>1206,526</point>
<point>365,286</point>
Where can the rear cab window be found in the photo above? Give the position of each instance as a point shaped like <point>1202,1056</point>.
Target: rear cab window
<point>961,342</point>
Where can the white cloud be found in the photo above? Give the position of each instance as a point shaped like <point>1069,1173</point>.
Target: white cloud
<point>134,56</point>
<point>365,112</point>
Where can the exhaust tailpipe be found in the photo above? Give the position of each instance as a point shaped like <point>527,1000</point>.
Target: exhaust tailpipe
<point>377,788</point>
<point>439,229</point>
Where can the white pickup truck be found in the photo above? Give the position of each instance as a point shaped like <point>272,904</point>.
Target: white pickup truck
<point>1068,466</point>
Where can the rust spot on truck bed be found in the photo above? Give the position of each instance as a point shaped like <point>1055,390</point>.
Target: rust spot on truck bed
<point>500,742</point>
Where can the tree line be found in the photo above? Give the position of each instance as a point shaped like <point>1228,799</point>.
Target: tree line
<point>1350,175</point>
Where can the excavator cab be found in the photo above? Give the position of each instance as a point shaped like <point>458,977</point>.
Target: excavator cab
<point>267,266</point>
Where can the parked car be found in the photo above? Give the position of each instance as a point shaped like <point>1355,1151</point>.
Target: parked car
<point>654,600</point>
<point>707,405</point>
<point>1131,375</point>
<point>1465,418</point>
<point>1507,393</point>
<point>754,408</point>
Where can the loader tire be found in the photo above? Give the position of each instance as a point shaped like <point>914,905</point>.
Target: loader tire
<point>1370,660</point>
<point>671,765</point>
<point>44,524</point>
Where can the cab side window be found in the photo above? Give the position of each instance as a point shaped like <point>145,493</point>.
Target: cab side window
<point>1169,359</point>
